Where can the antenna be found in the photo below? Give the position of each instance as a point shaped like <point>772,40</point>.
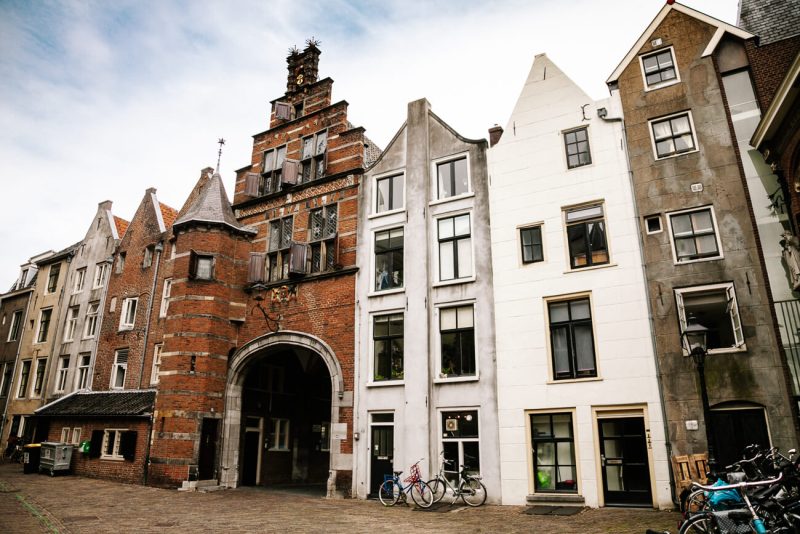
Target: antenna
<point>221,142</point>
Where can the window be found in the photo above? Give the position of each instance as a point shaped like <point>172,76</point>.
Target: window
<point>461,442</point>
<point>739,92</point>
<point>6,385</point>
<point>673,135</point>
<point>387,338</point>
<point>312,157</point>
<point>44,325</point>
<point>586,235</point>
<point>127,317</point>
<point>272,166</point>
<point>65,434</point>
<point>531,240</point>
<point>119,369</point>
<point>576,143</point>
<point>201,266</point>
<point>325,436</point>
<point>76,436</point>
<point>13,330</point>
<point>452,178</point>
<point>389,193</point>
<point>455,248</point>
<point>572,339</point>
<point>80,280</point>
<point>100,271</point>
<point>61,379</point>
<point>147,258</point>
<point>280,241</point>
<point>91,320</point>
<point>653,224</point>
<point>72,321</point>
<point>24,375</point>
<point>279,437</point>
<point>457,334</point>
<point>112,444</point>
<point>82,376</point>
<point>714,306</point>
<point>165,297</point>
<point>156,363</point>
<point>322,238</point>
<point>120,263</point>
<point>659,69</point>
<point>38,378</point>
<point>23,279</point>
<point>389,259</point>
<point>694,235</point>
<point>52,278</point>
<point>553,444</point>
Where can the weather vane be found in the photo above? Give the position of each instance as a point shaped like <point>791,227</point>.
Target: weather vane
<point>221,142</point>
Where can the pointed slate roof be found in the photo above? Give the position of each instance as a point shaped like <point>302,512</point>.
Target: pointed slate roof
<point>213,207</point>
<point>102,404</point>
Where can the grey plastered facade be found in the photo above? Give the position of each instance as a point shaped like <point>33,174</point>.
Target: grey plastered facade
<point>419,401</point>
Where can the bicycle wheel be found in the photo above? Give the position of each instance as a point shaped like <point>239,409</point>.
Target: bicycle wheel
<point>695,503</point>
<point>421,494</point>
<point>472,491</point>
<point>699,524</point>
<point>438,488</point>
<point>389,493</point>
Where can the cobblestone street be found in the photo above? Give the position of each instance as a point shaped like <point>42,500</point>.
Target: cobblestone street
<point>64,504</point>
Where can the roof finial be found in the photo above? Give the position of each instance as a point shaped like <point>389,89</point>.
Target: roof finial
<point>221,142</point>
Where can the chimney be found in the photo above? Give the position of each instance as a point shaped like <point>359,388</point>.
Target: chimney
<point>495,132</point>
<point>303,66</point>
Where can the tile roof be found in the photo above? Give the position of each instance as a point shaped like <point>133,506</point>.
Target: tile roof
<point>122,226</point>
<point>771,20</point>
<point>371,152</point>
<point>102,403</point>
<point>168,214</point>
<point>212,206</point>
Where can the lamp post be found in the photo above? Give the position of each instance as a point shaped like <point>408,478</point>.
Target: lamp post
<point>694,339</point>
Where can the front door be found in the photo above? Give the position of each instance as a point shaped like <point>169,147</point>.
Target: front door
<point>734,429</point>
<point>382,455</point>
<point>208,449</point>
<point>624,464</point>
<point>251,464</point>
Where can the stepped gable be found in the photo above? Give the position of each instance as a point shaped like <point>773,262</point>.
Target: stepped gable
<point>212,207</point>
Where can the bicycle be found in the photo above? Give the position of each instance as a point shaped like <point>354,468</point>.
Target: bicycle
<point>469,487</point>
<point>392,490</point>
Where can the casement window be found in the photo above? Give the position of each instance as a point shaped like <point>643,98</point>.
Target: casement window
<point>586,236</point>
<point>76,436</point>
<point>90,328</point>
<point>115,444</point>
<point>201,266</point>
<point>312,157</point>
<point>13,330</point>
<point>52,278</point>
<point>147,256</point>
<point>120,263</point>
<point>100,271</point>
<point>279,435</point>
<point>572,339</point>
<point>272,169</point>
<point>739,93</point>
<point>714,307</point>
<point>457,337</point>
<point>71,324</point>
<point>576,144</point>
<point>659,68</point>
<point>389,259</point>
<point>156,363</point>
<point>65,432</point>
<point>61,378</point>
<point>553,446</point>
<point>461,442</point>
<point>283,111</point>
<point>653,224</point>
<point>38,377</point>
<point>279,248</point>
<point>387,339</point>
<point>694,235</point>
<point>8,368</point>
<point>44,325</point>
<point>23,279</point>
<point>452,178</point>
<point>455,247</point>
<point>531,241</point>
<point>322,238</point>
<point>165,297</point>
<point>80,280</point>
<point>119,369</point>
<point>82,376</point>
<point>673,135</point>
<point>24,376</point>
<point>127,316</point>
<point>389,193</point>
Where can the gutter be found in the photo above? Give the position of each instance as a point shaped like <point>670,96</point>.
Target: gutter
<point>159,248</point>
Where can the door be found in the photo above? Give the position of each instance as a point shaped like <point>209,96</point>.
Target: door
<point>253,440</point>
<point>208,449</point>
<point>624,463</point>
<point>734,429</point>
<point>381,456</point>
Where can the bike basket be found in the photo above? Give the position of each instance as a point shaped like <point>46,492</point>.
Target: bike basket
<point>415,474</point>
<point>733,522</point>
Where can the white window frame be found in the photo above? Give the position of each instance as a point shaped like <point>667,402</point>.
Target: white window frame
<point>76,436</point>
<point>65,432</point>
<point>157,348</point>
<point>80,280</point>
<point>279,440</point>
<point>63,370</point>
<point>391,174</point>
<point>39,326</point>
<point>440,378</point>
<point>693,131</point>
<point>389,381</point>
<point>115,455</point>
<point>92,315</point>
<point>435,178</point>
<point>374,263</point>
<point>565,211</point>
<point>22,389</point>
<point>82,371</point>
<point>647,227</point>
<point>546,301</point>
<point>442,439</point>
<point>162,312</point>
<point>675,258</point>
<point>36,373</point>
<point>117,365</point>
<point>661,84</point>
<point>437,244</point>
<point>71,324</point>
<point>125,313</point>
<point>738,332</point>
<point>16,322</point>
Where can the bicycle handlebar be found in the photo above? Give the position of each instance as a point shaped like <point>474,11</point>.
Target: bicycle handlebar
<point>738,485</point>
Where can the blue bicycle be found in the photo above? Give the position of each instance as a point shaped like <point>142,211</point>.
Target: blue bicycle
<point>392,490</point>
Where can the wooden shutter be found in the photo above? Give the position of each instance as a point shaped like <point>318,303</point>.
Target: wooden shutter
<point>127,445</point>
<point>96,445</point>
<point>251,184</point>
<point>283,111</point>
<point>255,271</point>
<point>192,265</point>
<point>289,172</point>
<point>297,258</point>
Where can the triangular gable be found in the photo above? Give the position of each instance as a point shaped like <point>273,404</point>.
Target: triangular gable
<point>722,28</point>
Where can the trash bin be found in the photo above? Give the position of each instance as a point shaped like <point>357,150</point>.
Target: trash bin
<point>55,457</point>
<point>30,458</point>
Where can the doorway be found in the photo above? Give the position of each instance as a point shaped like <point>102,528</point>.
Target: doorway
<point>624,461</point>
<point>253,438</point>
<point>734,428</point>
<point>208,449</point>
<point>381,450</point>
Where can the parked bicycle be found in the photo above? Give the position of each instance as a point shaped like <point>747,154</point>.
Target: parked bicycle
<point>469,487</point>
<point>392,490</point>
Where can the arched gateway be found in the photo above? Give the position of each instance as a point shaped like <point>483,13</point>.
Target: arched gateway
<point>282,399</point>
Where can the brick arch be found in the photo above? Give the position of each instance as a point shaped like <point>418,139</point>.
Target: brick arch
<point>232,418</point>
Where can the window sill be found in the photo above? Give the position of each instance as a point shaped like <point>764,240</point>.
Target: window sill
<point>273,449</point>
<point>730,350</point>
<point>113,458</point>
<point>648,88</point>
<point>386,213</point>
<point>386,292</point>
<point>662,158</point>
<point>574,380</point>
<point>591,268</point>
<point>466,280</point>
<point>456,379</point>
<point>385,383</point>
<point>451,199</point>
<point>125,328</point>
<point>698,260</point>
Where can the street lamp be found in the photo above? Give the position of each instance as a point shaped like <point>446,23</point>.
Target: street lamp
<point>694,338</point>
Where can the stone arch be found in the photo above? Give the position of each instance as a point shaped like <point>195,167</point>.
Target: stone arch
<point>232,419</point>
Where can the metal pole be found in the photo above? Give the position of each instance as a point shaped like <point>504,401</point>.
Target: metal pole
<point>701,370</point>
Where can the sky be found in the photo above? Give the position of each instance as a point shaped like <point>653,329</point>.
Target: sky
<point>100,100</point>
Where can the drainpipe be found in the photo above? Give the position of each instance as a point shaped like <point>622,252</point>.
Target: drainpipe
<point>159,248</point>
<point>650,317</point>
<point>16,360</point>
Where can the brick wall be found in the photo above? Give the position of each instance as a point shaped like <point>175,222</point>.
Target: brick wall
<point>769,64</point>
